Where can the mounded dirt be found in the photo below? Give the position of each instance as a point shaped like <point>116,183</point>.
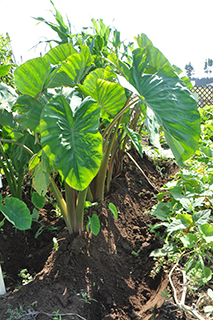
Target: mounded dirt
<point>117,283</point>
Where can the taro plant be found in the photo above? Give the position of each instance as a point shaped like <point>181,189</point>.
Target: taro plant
<point>82,115</point>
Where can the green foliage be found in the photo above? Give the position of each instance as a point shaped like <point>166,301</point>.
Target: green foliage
<point>17,213</point>
<point>26,277</point>
<point>6,62</point>
<point>93,224</point>
<point>80,105</point>
<point>185,210</point>
<point>113,209</point>
<point>85,298</point>
<point>20,312</point>
<point>136,253</point>
<point>38,201</point>
<point>77,152</point>
<point>64,33</point>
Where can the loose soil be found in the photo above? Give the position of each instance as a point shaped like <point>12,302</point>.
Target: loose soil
<point>117,283</point>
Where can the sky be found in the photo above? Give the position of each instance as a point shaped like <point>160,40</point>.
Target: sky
<point>180,29</point>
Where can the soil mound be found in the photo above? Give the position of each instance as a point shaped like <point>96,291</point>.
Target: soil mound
<point>103,278</point>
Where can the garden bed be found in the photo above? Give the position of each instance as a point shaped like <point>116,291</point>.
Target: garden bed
<point>105,277</point>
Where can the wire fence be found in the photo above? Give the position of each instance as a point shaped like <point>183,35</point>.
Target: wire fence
<point>203,95</point>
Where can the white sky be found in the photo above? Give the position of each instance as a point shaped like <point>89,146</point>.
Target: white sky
<point>181,29</point>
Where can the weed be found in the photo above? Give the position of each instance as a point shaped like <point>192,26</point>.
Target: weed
<point>57,317</point>
<point>84,297</point>
<point>165,294</point>
<point>136,253</point>
<point>47,228</point>
<point>153,229</point>
<point>26,277</point>
<point>160,263</point>
<point>20,313</point>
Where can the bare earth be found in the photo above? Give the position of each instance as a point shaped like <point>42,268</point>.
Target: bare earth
<point>117,283</point>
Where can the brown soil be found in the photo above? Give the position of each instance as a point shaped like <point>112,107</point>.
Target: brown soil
<point>117,282</point>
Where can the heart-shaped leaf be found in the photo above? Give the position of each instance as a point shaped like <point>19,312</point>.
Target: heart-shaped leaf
<point>17,213</point>
<point>31,76</point>
<point>71,139</point>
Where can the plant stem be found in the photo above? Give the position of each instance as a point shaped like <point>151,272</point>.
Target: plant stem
<point>10,178</point>
<point>80,209</point>
<point>100,178</point>
<point>126,107</point>
<point>111,160</point>
<point>70,195</point>
<point>62,205</point>
<point>89,194</point>
<point>18,144</point>
<point>19,183</point>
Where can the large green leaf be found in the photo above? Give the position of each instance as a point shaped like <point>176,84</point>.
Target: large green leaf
<point>109,95</point>
<point>143,41</point>
<point>31,77</point>
<point>62,79</point>
<point>17,213</point>
<point>155,58</point>
<point>139,62</point>
<point>60,53</point>
<point>71,139</point>
<point>175,108</point>
<point>156,82</point>
<point>77,65</point>
<point>29,111</point>
<point>153,128</point>
<point>73,70</point>
<point>91,79</point>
